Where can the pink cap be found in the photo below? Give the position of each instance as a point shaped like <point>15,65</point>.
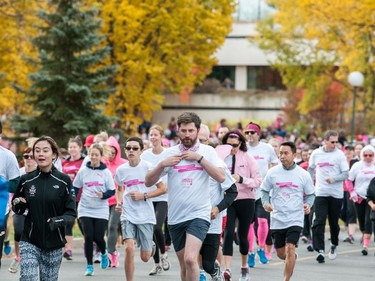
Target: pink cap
<point>89,140</point>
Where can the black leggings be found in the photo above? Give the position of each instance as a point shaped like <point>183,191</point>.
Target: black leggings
<point>93,231</point>
<point>243,210</point>
<point>209,250</point>
<point>161,209</point>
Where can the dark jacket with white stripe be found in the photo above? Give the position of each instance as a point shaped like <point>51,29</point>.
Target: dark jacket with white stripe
<point>50,201</point>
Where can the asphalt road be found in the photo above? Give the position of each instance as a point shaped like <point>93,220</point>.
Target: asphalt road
<point>350,265</point>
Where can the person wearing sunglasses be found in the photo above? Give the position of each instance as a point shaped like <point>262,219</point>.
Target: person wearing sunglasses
<point>360,176</point>
<point>134,202</point>
<point>245,171</point>
<point>49,197</point>
<point>97,185</point>
<point>329,168</point>
<point>266,158</point>
<point>189,167</point>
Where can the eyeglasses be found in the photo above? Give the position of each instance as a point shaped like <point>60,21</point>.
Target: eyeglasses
<point>27,156</point>
<point>234,144</point>
<point>368,155</point>
<point>333,142</point>
<point>134,148</point>
<point>250,132</point>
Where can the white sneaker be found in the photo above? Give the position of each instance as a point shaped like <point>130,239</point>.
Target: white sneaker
<point>164,262</point>
<point>332,252</point>
<point>157,269</point>
<point>245,275</point>
<point>218,276</point>
<point>97,257</point>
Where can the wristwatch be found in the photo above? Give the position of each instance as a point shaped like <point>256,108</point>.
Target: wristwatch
<point>145,196</point>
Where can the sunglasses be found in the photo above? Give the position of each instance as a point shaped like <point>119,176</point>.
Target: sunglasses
<point>250,132</point>
<point>27,156</point>
<point>368,155</point>
<point>134,148</point>
<point>333,142</point>
<point>234,144</point>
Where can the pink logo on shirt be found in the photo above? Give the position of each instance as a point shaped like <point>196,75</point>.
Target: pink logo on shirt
<point>257,157</point>
<point>286,184</point>
<point>187,168</point>
<point>325,164</point>
<point>133,182</point>
<point>93,183</point>
<point>369,172</point>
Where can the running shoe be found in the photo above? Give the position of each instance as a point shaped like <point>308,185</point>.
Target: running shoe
<point>202,275</point>
<point>320,257</point>
<point>157,269</point>
<point>114,259</point>
<point>15,264</point>
<point>304,239</point>
<point>262,256</point>
<point>269,256</point>
<point>153,250</point>
<point>310,247</point>
<point>104,261</point>
<point>7,248</point>
<point>245,275</point>
<point>218,275</point>
<point>227,275</point>
<point>89,270</point>
<point>68,254</point>
<point>97,257</point>
<point>332,252</point>
<point>251,259</point>
<point>364,251</point>
<point>164,262</point>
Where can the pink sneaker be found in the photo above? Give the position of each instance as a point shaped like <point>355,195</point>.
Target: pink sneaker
<point>114,261</point>
<point>269,255</point>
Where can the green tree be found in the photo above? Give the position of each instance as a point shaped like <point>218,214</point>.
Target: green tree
<point>71,87</point>
<point>159,46</point>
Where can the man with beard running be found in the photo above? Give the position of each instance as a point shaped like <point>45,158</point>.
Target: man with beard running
<point>189,166</point>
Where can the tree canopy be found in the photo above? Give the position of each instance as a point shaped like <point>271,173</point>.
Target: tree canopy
<point>318,43</point>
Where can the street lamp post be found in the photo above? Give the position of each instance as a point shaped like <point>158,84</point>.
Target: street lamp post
<point>356,80</point>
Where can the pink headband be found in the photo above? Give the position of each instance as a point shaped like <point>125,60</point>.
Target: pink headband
<point>253,126</point>
<point>233,135</point>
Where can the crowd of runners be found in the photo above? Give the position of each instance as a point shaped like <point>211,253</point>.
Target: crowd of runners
<point>200,192</point>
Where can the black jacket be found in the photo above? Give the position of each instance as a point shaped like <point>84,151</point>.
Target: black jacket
<point>50,201</point>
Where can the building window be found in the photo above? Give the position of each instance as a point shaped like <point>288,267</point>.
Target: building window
<point>225,74</point>
<point>252,10</point>
<point>264,78</point>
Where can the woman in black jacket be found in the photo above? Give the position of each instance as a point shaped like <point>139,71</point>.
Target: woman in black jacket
<point>48,196</point>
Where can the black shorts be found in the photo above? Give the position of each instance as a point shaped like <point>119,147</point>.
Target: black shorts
<point>287,235</point>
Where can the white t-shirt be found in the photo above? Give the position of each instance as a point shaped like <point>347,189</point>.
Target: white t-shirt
<point>8,167</point>
<point>288,188</point>
<point>92,181</point>
<point>217,194</point>
<point>133,179</point>
<point>265,155</point>
<point>149,156</point>
<point>188,186</point>
<point>328,165</point>
<point>362,174</point>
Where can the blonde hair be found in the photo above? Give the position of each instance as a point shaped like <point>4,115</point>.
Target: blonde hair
<point>102,136</point>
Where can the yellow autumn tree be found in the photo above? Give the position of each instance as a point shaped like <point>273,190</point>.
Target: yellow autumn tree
<point>318,42</point>
<point>16,19</point>
<point>160,46</point>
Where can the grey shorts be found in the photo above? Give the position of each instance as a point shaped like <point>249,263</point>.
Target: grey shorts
<point>141,233</point>
<point>195,227</point>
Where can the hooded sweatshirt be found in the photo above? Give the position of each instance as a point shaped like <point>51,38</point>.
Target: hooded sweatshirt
<point>112,166</point>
